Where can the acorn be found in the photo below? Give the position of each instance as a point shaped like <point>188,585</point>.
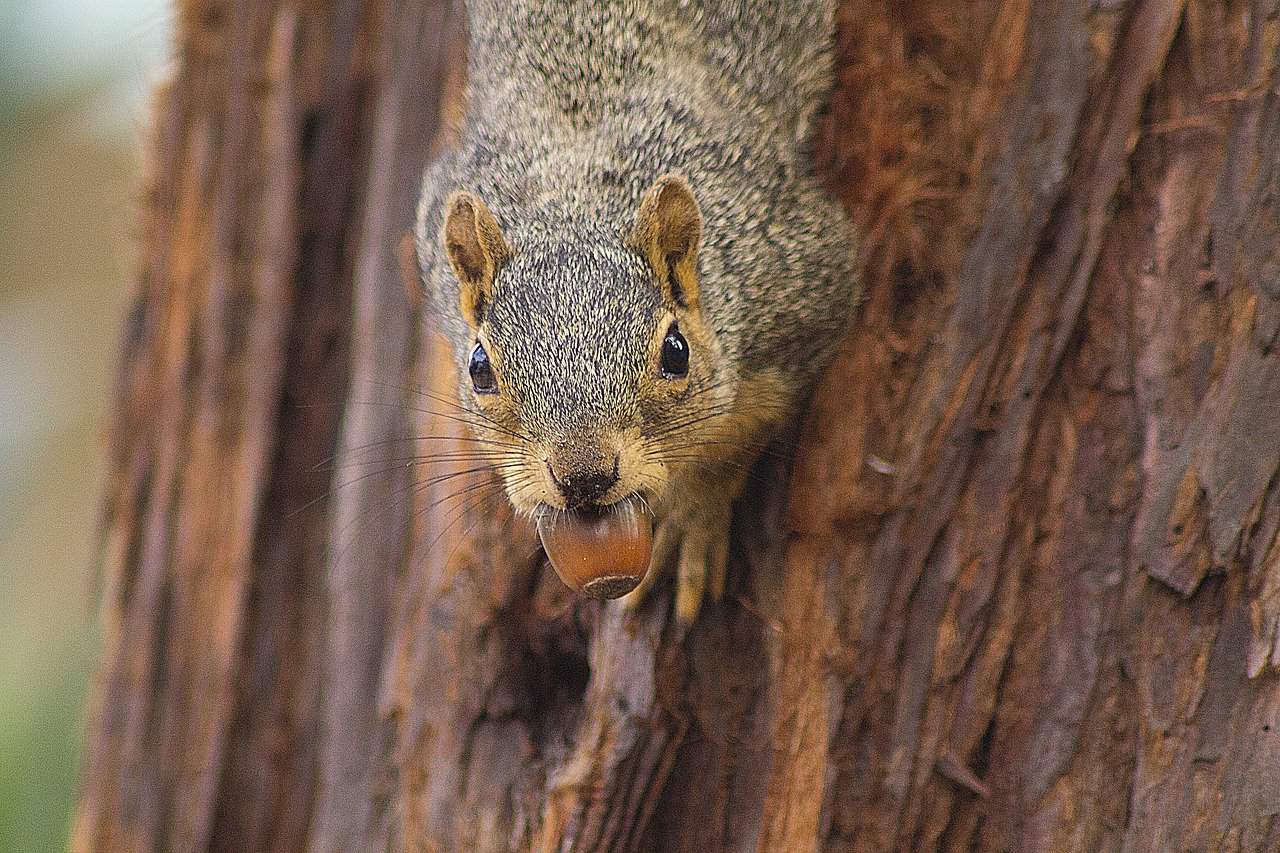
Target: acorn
<point>599,553</point>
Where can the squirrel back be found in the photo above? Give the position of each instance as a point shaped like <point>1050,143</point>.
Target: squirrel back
<point>770,55</point>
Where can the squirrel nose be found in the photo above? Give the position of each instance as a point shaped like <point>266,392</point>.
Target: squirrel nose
<point>583,487</point>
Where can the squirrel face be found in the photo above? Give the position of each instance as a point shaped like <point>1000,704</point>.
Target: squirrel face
<point>589,360</point>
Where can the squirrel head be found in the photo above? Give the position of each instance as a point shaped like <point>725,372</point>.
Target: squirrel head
<point>587,362</point>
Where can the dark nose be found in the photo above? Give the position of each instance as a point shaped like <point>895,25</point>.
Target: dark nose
<point>583,487</point>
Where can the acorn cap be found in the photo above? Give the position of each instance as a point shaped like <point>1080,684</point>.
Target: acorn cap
<point>601,554</point>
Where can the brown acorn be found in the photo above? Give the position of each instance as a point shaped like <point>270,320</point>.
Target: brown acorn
<point>599,554</point>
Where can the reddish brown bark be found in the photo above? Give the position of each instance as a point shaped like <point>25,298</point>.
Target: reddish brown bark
<point>1012,584</point>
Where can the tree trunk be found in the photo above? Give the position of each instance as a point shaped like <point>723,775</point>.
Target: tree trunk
<point>1013,584</point>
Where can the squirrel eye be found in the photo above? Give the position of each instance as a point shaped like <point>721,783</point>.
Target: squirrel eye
<point>675,354</point>
<point>482,378</point>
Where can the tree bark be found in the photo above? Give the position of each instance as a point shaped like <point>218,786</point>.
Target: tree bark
<point>1012,583</point>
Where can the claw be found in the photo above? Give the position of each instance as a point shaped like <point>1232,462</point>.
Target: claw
<point>691,581</point>
<point>696,539</point>
<point>665,540</point>
<point>716,564</point>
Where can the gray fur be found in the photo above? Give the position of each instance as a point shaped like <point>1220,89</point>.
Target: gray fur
<point>574,109</point>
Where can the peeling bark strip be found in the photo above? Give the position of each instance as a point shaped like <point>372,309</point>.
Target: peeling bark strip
<point>1019,591</point>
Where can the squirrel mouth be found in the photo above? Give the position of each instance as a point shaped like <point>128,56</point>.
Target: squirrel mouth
<point>599,551</point>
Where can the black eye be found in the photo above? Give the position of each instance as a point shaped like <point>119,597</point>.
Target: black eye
<point>675,354</point>
<point>482,378</point>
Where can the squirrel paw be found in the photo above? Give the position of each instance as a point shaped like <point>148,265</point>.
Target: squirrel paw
<point>700,548</point>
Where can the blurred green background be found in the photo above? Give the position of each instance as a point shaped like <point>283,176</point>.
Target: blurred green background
<point>74,79</point>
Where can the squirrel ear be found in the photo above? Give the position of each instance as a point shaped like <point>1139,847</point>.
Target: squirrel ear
<point>476,249</point>
<point>667,230</point>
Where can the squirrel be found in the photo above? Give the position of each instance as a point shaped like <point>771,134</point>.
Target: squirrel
<point>638,272</point>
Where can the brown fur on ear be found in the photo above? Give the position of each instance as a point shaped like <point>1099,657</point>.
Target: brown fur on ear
<point>476,249</point>
<point>667,230</point>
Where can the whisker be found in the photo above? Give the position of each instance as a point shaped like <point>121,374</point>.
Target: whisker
<point>484,423</point>
<point>420,460</point>
<point>475,412</point>
<point>461,512</point>
<point>759,450</point>
<point>484,419</point>
<point>461,438</point>
<point>465,490</point>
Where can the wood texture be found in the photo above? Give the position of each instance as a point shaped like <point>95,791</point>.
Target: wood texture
<point>1011,583</point>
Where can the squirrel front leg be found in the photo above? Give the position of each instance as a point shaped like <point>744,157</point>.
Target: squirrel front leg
<point>694,530</point>
<point>694,535</point>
